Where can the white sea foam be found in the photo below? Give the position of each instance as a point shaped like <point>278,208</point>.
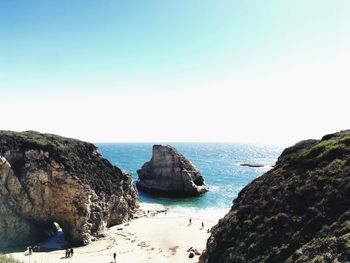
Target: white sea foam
<point>151,206</point>
<point>219,164</point>
<point>209,213</point>
<point>213,188</point>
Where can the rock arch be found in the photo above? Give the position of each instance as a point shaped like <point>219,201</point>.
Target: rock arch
<point>46,178</point>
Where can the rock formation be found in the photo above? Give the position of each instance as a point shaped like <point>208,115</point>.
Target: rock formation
<point>47,178</point>
<point>170,173</point>
<point>253,165</point>
<point>297,212</point>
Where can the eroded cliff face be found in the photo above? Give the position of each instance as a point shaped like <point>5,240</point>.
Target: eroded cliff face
<point>297,212</point>
<point>46,178</point>
<point>170,173</point>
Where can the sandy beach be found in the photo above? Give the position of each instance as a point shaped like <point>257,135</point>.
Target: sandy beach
<point>154,238</point>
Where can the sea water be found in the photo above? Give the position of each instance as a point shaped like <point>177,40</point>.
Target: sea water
<point>219,164</point>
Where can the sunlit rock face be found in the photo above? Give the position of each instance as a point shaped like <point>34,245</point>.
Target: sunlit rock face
<point>47,178</point>
<point>170,173</point>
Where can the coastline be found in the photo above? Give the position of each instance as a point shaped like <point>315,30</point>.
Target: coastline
<point>156,237</point>
<point>208,214</point>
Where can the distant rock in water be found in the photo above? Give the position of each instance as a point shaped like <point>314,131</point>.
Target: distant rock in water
<point>254,165</point>
<point>169,173</point>
<point>297,212</point>
<point>46,178</point>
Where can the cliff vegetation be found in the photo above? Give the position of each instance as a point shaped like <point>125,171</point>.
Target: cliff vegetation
<point>297,212</point>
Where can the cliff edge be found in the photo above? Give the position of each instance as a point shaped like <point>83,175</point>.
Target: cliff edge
<point>46,178</point>
<point>297,212</point>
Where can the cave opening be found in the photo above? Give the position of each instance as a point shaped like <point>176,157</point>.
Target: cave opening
<point>53,236</point>
<point>17,162</point>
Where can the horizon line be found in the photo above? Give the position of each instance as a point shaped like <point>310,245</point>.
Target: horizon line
<point>168,142</point>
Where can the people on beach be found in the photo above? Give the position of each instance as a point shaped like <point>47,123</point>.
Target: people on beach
<point>69,252</point>
<point>30,250</point>
<point>36,248</point>
<point>192,252</point>
<point>202,225</point>
<point>190,249</point>
<point>190,221</point>
<point>115,257</point>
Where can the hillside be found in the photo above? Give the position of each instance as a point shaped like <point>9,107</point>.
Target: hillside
<point>297,212</point>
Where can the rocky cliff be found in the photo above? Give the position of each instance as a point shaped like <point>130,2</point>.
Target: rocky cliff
<point>297,212</point>
<point>47,178</point>
<point>170,173</point>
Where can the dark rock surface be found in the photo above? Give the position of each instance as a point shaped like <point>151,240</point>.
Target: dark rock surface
<point>297,212</point>
<point>46,178</point>
<point>253,165</point>
<point>170,173</point>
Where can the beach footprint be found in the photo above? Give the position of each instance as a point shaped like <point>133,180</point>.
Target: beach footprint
<point>173,249</point>
<point>143,244</point>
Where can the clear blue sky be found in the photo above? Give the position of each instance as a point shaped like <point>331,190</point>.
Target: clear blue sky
<point>112,48</point>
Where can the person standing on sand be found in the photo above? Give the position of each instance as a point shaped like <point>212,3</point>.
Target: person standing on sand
<point>71,252</point>
<point>202,225</point>
<point>115,257</point>
<point>190,221</point>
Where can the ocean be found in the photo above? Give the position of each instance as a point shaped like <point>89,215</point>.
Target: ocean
<point>219,164</point>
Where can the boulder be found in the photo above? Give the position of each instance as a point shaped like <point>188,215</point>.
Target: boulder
<point>297,212</point>
<point>46,178</point>
<point>170,173</point>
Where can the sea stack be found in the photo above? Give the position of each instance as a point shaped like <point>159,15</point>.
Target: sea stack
<point>298,212</point>
<point>170,173</point>
<point>46,178</point>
